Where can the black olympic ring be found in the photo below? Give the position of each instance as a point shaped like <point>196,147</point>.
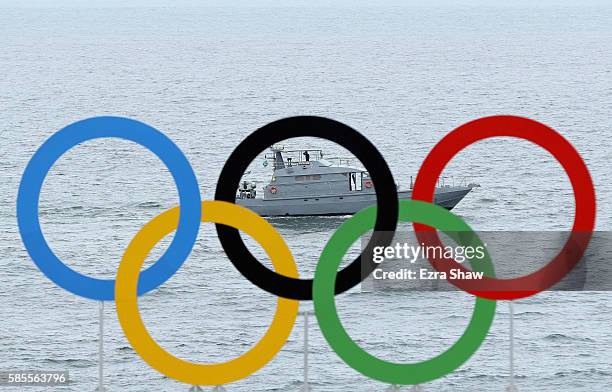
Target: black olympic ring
<point>325,128</point>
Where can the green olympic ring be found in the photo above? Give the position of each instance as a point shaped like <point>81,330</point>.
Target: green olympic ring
<point>341,342</point>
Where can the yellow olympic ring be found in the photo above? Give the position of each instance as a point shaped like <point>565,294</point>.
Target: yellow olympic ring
<point>164,362</point>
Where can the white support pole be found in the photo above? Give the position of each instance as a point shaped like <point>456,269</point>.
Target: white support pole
<point>306,350</point>
<point>511,387</point>
<point>306,385</point>
<point>101,349</point>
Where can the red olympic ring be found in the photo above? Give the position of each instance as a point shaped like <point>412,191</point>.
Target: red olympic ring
<point>273,189</point>
<point>564,153</point>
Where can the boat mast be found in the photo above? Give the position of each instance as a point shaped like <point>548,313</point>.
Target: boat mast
<point>279,163</point>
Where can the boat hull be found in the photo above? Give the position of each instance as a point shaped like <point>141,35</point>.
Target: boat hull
<point>347,204</point>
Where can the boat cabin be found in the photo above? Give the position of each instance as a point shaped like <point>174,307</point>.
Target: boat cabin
<point>307,173</point>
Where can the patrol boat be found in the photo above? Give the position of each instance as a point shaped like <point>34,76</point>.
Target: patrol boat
<point>303,183</point>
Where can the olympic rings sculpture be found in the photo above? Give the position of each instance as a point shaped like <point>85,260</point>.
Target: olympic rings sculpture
<point>284,281</point>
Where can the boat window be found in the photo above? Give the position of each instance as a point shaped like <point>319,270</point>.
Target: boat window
<point>314,177</point>
<point>355,181</point>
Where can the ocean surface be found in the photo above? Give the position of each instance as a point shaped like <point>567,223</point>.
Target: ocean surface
<point>403,75</point>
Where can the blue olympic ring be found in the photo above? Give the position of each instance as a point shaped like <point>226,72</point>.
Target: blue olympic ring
<point>103,127</point>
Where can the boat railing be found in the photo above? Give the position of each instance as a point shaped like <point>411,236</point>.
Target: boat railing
<point>451,181</point>
<point>343,161</point>
<point>300,160</point>
<point>290,163</point>
<point>292,158</point>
